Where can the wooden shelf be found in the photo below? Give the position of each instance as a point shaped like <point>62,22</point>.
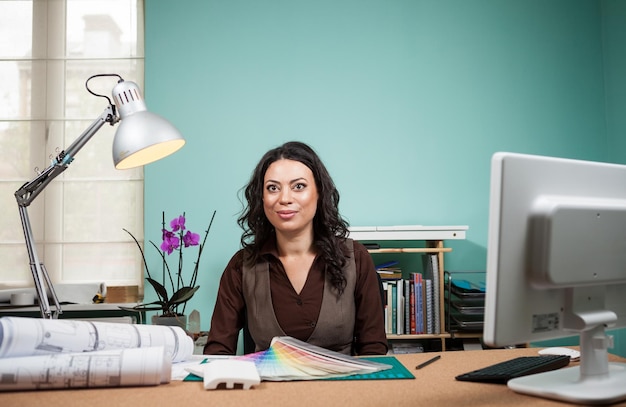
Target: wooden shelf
<point>412,250</point>
<point>444,335</point>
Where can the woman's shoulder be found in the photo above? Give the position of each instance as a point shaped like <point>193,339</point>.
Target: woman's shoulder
<point>236,261</point>
<point>237,255</point>
<point>362,256</point>
<point>359,248</point>
<point>244,257</point>
<point>353,248</point>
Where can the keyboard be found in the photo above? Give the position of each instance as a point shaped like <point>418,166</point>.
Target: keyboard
<point>521,366</point>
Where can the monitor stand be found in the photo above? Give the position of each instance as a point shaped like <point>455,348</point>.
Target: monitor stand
<point>595,381</point>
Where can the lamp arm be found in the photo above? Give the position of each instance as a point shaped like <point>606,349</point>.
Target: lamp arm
<point>30,190</point>
<point>39,272</point>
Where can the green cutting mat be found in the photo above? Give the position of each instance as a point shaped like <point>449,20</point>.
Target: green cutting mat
<point>397,371</point>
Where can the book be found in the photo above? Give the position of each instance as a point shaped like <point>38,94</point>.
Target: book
<point>412,329</point>
<point>394,307</point>
<point>386,265</point>
<point>432,272</point>
<point>389,270</point>
<point>390,274</point>
<point>407,307</point>
<point>385,304</point>
<point>390,307</point>
<point>430,323</point>
<point>418,300</point>
<point>399,304</point>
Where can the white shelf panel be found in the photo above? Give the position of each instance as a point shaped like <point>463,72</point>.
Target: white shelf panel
<point>408,232</point>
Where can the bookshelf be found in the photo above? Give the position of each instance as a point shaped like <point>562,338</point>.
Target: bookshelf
<point>404,241</point>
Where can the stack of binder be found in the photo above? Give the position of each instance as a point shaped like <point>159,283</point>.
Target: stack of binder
<point>465,301</point>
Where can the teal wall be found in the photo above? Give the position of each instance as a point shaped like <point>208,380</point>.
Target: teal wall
<point>404,100</point>
<point>614,34</point>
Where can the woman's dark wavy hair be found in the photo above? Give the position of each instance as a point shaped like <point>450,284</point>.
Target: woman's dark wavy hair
<point>329,228</point>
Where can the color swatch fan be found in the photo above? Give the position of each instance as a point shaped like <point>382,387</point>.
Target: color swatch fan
<point>291,359</point>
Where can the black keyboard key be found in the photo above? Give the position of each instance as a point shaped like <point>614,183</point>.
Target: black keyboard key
<point>521,366</point>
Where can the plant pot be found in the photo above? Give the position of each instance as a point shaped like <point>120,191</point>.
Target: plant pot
<point>179,320</point>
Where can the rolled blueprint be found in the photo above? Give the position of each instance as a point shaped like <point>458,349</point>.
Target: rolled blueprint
<point>108,368</point>
<point>21,336</point>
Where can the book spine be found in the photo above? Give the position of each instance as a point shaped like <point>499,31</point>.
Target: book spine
<point>394,308</point>
<point>407,307</point>
<point>420,306</point>
<point>412,305</point>
<point>436,287</point>
<point>384,285</point>
<point>430,324</point>
<point>400,307</point>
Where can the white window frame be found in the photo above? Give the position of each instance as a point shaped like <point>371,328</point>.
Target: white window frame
<point>76,224</point>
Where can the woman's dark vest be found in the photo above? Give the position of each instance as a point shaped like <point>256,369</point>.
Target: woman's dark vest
<point>334,329</point>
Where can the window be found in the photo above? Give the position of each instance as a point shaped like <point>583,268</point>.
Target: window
<point>48,49</point>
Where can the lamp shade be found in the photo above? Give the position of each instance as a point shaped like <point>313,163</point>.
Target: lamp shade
<point>141,137</point>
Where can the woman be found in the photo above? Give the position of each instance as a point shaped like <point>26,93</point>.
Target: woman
<point>297,274</point>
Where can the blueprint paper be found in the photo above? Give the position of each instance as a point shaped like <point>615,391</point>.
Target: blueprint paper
<point>61,353</point>
<point>21,336</point>
<point>109,368</point>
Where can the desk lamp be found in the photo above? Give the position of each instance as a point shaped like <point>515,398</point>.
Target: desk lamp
<point>141,138</point>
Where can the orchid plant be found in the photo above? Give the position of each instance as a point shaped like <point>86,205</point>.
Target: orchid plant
<point>174,240</point>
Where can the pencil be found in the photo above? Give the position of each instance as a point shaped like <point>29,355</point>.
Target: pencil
<point>428,362</point>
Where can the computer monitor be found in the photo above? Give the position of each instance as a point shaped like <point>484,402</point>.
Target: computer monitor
<point>556,267</point>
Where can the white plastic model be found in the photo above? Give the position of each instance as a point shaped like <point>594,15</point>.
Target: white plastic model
<point>227,373</point>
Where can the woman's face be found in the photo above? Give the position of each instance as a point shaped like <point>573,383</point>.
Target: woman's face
<point>289,196</point>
